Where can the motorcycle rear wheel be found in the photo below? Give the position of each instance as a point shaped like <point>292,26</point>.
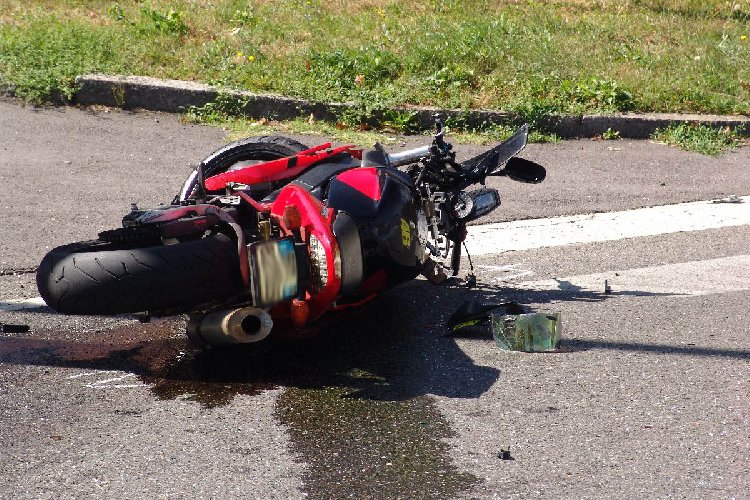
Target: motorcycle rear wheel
<point>262,148</point>
<point>95,277</point>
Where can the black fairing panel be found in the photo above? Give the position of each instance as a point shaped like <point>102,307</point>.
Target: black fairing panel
<point>315,179</point>
<point>387,227</point>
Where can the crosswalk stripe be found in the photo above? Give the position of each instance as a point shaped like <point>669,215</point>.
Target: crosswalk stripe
<point>704,277</point>
<point>610,226</point>
<point>21,304</point>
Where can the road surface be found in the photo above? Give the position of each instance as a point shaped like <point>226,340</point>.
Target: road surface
<point>647,396</point>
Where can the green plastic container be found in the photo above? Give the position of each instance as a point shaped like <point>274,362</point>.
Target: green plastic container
<point>536,332</point>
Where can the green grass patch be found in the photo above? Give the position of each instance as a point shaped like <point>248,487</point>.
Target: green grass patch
<point>529,57</point>
<point>238,127</point>
<point>42,61</point>
<point>700,138</point>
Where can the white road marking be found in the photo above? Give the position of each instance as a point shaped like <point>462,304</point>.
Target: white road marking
<point>510,272</point>
<point>106,383</point>
<point>89,374</point>
<point>704,277</point>
<point>21,304</point>
<point>558,231</point>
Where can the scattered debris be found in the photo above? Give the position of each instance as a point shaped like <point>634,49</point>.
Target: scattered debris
<point>504,454</point>
<point>732,198</point>
<point>472,313</point>
<point>536,332</point>
<point>17,271</point>
<point>8,328</point>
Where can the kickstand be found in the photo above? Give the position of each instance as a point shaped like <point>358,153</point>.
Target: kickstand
<point>471,278</point>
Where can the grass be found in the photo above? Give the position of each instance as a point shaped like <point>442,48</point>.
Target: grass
<point>527,57</point>
<point>226,112</point>
<point>700,138</point>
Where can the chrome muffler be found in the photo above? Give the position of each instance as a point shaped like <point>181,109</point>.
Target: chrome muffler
<point>229,326</point>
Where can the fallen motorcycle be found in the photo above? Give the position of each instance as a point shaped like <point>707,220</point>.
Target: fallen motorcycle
<point>267,231</point>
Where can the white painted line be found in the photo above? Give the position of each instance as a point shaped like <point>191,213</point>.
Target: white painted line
<point>21,304</point>
<point>89,374</point>
<point>703,277</point>
<point>558,231</point>
<point>509,272</point>
<point>107,383</point>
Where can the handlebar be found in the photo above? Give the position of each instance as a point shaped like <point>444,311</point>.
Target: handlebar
<point>408,157</point>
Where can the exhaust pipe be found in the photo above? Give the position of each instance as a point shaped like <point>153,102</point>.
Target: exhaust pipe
<point>229,326</point>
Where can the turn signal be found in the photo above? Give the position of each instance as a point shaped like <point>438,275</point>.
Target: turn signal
<point>300,312</point>
<point>292,217</point>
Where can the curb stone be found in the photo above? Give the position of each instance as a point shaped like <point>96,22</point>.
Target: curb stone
<point>175,96</point>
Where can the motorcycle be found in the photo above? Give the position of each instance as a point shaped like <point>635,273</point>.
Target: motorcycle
<point>266,231</point>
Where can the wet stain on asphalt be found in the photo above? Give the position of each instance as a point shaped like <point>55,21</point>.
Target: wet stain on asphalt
<point>157,353</point>
<point>357,397</point>
<point>360,448</point>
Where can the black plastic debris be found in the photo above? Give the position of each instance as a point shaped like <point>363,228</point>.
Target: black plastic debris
<point>504,454</point>
<point>8,328</point>
<point>472,313</point>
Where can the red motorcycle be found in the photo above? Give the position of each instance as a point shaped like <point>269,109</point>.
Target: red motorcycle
<point>267,231</point>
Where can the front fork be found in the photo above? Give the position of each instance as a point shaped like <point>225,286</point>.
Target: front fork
<point>446,234</point>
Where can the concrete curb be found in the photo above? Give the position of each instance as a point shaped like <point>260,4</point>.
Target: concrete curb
<point>175,96</point>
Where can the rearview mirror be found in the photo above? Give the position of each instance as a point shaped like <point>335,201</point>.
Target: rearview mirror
<point>523,170</point>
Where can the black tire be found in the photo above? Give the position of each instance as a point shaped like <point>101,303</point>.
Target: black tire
<point>263,148</point>
<point>95,277</point>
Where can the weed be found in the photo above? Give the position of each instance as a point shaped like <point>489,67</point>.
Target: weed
<point>603,94</point>
<point>240,128</point>
<point>488,132</point>
<point>116,13</point>
<point>401,122</point>
<point>225,107</point>
<point>700,138</point>
<point>611,135</point>
<point>244,17</point>
<point>169,23</point>
<point>452,75</point>
<point>346,70</point>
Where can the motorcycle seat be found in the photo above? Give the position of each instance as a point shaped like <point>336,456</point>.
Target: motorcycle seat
<point>315,180</point>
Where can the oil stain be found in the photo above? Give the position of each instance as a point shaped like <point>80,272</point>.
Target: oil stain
<point>158,353</point>
<point>356,401</point>
<point>362,448</point>
<point>364,422</point>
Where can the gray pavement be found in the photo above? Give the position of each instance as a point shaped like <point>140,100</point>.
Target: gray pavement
<point>647,398</point>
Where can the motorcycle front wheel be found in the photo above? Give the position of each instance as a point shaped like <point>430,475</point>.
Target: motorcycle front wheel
<point>96,277</point>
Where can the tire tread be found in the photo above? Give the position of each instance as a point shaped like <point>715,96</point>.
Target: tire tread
<point>98,278</point>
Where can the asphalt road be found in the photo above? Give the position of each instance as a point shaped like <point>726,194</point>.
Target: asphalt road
<point>647,397</point>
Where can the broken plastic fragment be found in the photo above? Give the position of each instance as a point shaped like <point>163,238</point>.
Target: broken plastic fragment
<point>536,332</point>
<point>504,454</point>
<point>6,328</point>
<point>732,198</point>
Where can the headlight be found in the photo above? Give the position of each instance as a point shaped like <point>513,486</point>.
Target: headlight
<point>318,264</point>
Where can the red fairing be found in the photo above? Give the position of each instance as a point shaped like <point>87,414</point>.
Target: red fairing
<point>282,168</point>
<point>317,220</point>
<point>365,180</point>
